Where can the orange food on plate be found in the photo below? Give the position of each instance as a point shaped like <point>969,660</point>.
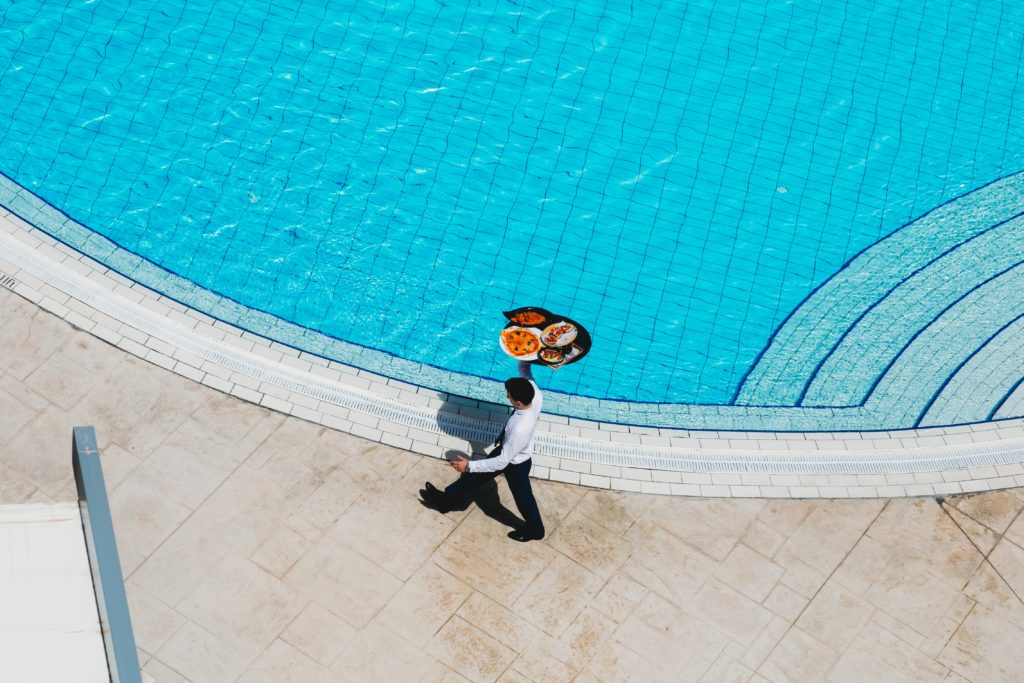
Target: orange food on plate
<point>528,318</point>
<point>520,342</point>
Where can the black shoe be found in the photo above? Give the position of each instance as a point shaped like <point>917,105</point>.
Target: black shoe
<point>523,537</point>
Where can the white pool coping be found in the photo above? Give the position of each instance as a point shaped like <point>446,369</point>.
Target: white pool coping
<point>924,462</point>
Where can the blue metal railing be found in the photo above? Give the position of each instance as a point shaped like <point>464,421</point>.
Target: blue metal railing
<point>107,580</point>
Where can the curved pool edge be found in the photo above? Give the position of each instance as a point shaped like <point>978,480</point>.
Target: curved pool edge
<point>90,296</point>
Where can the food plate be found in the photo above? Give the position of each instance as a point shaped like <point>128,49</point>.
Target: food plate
<point>551,355</point>
<point>522,343</point>
<point>559,334</point>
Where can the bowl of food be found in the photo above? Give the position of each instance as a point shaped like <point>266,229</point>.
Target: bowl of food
<point>522,343</point>
<point>551,355</point>
<point>559,334</point>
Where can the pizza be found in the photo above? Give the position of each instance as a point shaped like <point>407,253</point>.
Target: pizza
<point>520,342</point>
<point>528,318</point>
<point>559,334</point>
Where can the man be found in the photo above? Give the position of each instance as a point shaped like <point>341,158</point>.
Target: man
<point>511,458</point>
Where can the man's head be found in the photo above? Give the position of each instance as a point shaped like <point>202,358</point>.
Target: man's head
<point>520,392</point>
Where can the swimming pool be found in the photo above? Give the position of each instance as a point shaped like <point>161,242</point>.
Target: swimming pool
<point>683,178</point>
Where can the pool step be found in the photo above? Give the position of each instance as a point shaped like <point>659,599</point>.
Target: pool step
<point>919,319</point>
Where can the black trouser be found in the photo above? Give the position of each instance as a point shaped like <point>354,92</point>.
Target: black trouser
<point>462,490</point>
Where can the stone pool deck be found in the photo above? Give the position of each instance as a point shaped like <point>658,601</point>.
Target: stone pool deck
<point>263,547</point>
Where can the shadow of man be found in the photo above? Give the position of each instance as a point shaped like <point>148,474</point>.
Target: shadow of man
<point>486,496</point>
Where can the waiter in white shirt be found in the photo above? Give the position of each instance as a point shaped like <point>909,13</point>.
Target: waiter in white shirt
<point>511,458</point>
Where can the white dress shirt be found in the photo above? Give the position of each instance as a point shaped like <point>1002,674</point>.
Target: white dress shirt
<point>517,446</point>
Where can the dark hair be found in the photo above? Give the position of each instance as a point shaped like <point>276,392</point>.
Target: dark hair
<point>520,389</point>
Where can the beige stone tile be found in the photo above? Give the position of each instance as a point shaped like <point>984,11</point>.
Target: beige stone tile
<point>202,657</point>
<point>618,662</point>
<point>140,405</point>
<point>786,516</point>
<point>34,333</point>
<point>292,437</point>
<point>279,552</point>
<point>423,605</point>
<point>555,501</point>
<point>589,544</point>
<point>654,549</point>
<point>909,592</point>
<point>117,464</point>
<point>542,663</point>
<point>155,671</point>
<point>40,453</point>
<point>950,622</point>
<point>799,658</point>
<point>875,654</point>
<point>153,622</point>
<point>800,577</point>
<point>187,473</point>
<point>835,616</point>
<point>753,656</point>
<point>143,519</point>
<point>439,673</point>
<point>237,421</point>
<point>763,538</point>
<point>613,510</point>
<point>513,676</point>
<point>987,646</point>
<point>749,572</point>
<point>983,538</point>
<point>180,564</point>
<point>988,588</point>
<point>994,509</point>
<point>828,534</point>
<point>475,655</point>
<point>785,602</point>
<point>326,503</point>
<point>558,595</point>
<point>13,488</point>
<point>71,371</point>
<point>377,655</point>
<point>864,564</point>
<point>734,614</point>
<point>920,529</point>
<point>499,622</point>
<point>712,526</point>
<point>393,530</point>
<point>1008,559</point>
<point>242,513</point>
<point>657,612</point>
<point>343,581</point>
<point>1015,532</point>
<point>619,596</point>
<point>243,605</point>
<point>478,548</point>
<point>319,633</point>
<point>727,670</point>
<point>899,629</point>
<point>585,636</point>
<point>282,663</point>
<point>15,415</point>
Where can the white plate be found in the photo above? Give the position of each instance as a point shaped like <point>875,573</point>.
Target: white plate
<point>532,330</point>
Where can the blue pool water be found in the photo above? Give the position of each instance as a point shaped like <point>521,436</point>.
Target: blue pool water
<point>678,176</point>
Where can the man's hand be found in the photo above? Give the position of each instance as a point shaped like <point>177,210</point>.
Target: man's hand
<point>459,463</point>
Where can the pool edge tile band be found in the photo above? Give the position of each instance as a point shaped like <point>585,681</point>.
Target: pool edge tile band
<point>372,407</point>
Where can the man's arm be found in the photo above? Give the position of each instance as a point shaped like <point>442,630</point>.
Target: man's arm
<point>513,445</point>
<point>526,370</point>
